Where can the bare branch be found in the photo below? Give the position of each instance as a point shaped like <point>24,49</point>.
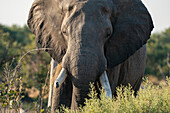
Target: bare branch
<point>161,71</point>
<point>168,63</point>
<point>39,49</point>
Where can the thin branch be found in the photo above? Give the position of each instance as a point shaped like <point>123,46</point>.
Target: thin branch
<point>44,87</point>
<point>3,60</point>
<point>39,49</point>
<point>168,64</point>
<point>161,71</point>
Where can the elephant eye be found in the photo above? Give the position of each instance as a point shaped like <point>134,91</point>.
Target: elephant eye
<point>108,33</point>
<point>104,10</point>
<point>70,8</point>
<point>64,31</point>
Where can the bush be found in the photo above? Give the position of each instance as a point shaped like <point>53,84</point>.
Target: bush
<point>150,99</point>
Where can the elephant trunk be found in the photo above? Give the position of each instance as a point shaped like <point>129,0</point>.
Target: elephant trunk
<point>84,71</point>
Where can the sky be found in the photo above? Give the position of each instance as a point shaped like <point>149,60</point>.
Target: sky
<point>16,12</point>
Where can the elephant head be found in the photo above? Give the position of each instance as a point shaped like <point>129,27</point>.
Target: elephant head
<point>89,36</point>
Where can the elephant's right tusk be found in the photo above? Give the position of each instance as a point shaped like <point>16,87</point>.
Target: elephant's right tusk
<point>61,77</point>
<point>105,84</point>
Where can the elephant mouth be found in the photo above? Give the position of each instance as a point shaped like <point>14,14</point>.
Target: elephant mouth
<point>103,80</point>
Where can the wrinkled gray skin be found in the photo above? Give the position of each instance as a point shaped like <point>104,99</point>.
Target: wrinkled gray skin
<point>89,37</point>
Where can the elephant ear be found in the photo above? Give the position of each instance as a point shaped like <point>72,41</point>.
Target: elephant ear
<point>45,18</point>
<point>132,27</point>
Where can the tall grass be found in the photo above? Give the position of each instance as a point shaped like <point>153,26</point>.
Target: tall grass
<point>150,99</point>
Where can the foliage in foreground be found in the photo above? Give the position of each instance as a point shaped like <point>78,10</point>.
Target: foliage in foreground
<point>150,99</point>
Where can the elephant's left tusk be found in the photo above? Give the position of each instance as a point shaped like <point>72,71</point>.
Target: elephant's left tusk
<point>105,84</point>
<point>61,77</point>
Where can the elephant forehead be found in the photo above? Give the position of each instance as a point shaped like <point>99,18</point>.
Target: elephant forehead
<point>91,4</point>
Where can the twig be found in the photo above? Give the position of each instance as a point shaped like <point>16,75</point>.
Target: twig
<point>39,49</point>
<point>43,90</point>
<point>168,64</point>
<point>161,71</point>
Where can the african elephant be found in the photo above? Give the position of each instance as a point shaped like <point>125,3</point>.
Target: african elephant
<point>89,38</point>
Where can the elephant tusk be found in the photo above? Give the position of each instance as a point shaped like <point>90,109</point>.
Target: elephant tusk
<point>61,77</point>
<point>105,84</point>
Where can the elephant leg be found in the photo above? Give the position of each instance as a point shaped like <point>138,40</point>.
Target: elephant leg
<point>130,71</point>
<point>62,95</point>
<point>113,76</point>
<point>137,85</point>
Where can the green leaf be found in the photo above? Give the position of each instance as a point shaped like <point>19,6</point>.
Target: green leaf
<point>4,105</point>
<point>42,110</point>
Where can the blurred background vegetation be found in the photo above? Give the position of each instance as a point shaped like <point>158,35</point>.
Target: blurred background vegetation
<point>158,54</point>
<point>15,41</point>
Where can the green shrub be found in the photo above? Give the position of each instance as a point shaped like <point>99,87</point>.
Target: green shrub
<point>150,99</point>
